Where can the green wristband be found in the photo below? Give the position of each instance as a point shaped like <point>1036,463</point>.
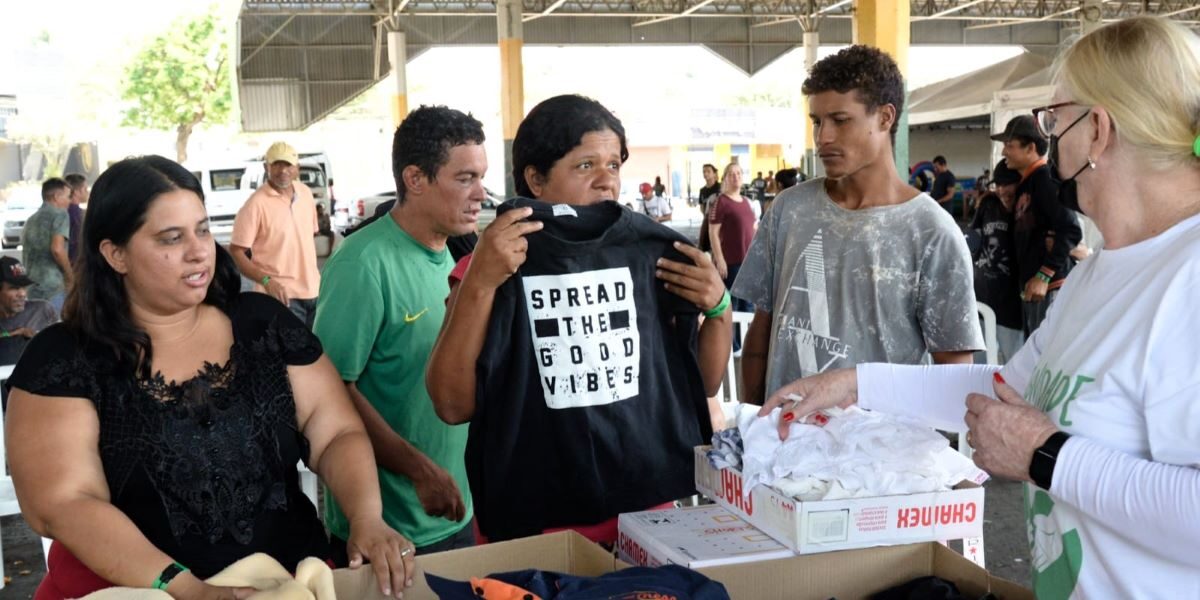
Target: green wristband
<point>1044,277</point>
<point>265,280</point>
<point>719,309</point>
<point>164,579</point>
<point>5,333</point>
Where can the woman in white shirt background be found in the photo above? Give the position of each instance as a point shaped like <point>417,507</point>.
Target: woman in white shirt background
<point>1099,413</point>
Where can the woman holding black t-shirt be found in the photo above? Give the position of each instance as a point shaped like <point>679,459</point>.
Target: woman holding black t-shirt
<point>567,155</point>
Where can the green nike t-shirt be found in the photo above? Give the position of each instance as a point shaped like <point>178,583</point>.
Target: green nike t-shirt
<point>382,301</point>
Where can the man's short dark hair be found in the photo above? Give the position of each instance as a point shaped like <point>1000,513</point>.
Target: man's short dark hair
<point>710,166</point>
<point>868,71</point>
<point>424,140</point>
<point>939,160</point>
<point>1040,142</point>
<point>75,180</point>
<point>786,178</point>
<point>51,186</point>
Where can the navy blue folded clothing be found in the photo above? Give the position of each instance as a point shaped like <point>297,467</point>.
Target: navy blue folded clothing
<point>670,581</point>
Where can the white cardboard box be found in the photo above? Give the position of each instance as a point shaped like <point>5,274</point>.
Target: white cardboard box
<point>694,537</point>
<point>826,525</point>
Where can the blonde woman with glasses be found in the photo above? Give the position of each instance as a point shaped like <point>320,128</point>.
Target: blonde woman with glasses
<point>1099,413</point>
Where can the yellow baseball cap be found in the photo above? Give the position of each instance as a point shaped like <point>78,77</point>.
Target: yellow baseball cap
<point>282,151</point>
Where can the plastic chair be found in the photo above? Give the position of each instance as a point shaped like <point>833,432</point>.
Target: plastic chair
<point>743,319</point>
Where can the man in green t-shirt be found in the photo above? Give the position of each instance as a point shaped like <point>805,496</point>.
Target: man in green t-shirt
<point>381,305</point>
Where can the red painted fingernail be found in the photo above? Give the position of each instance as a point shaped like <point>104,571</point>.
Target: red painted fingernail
<point>821,419</point>
<point>999,379</point>
<point>787,417</point>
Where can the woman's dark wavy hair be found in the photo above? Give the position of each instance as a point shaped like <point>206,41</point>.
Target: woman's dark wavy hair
<point>555,127</point>
<point>868,71</point>
<point>97,306</point>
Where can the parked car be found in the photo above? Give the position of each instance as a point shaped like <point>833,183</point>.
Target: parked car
<point>22,203</point>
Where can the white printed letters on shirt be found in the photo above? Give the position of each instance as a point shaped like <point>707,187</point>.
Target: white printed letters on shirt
<point>585,336</point>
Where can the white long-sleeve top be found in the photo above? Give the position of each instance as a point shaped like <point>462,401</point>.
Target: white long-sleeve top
<point>1117,365</point>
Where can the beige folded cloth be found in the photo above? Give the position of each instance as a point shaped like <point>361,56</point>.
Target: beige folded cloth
<point>313,581</point>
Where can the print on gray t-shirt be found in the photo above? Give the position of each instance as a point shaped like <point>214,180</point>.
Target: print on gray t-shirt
<point>887,284</point>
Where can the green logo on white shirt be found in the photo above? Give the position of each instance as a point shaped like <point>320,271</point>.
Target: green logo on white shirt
<point>1057,555</point>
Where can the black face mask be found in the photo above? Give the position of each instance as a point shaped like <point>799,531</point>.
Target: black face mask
<point>1068,192</point>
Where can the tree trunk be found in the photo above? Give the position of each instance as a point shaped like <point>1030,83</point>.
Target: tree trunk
<point>181,142</point>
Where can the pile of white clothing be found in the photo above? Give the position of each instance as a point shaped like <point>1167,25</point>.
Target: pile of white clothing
<point>856,453</point>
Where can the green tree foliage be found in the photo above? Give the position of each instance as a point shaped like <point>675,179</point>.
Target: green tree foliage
<point>181,79</point>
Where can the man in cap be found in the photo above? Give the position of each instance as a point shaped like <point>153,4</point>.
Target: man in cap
<point>656,207</point>
<point>20,318</point>
<point>272,240</point>
<point>1045,230</point>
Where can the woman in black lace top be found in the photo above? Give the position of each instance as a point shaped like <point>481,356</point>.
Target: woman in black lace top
<point>161,422</point>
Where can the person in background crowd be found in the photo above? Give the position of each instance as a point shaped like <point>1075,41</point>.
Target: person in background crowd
<point>656,207</point>
<point>1096,414</point>
<point>758,187</point>
<point>154,433</point>
<point>708,197</point>
<point>44,245</point>
<point>944,183</point>
<point>1046,231</point>
<point>995,261</point>
<point>731,225</point>
<point>272,241</point>
<point>785,179</point>
<point>20,318</point>
<point>659,188</point>
<point>857,266</point>
<point>79,196</point>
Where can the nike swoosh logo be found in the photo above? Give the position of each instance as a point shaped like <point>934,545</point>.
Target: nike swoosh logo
<point>410,318</point>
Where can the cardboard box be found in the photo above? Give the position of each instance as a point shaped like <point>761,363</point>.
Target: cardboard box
<point>564,552</point>
<point>852,574</point>
<point>694,536</point>
<point>827,525</point>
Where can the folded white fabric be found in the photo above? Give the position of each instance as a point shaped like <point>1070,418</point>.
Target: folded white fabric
<point>856,453</point>
<point>313,581</point>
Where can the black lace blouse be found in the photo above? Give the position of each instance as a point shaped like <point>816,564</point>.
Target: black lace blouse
<point>205,468</point>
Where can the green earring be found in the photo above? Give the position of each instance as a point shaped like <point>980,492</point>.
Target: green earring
<point>1196,146</point>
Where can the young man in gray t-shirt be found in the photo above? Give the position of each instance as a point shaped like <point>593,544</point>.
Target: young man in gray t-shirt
<point>857,266</point>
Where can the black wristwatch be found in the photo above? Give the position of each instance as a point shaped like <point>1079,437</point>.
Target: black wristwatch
<point>1041,468</point>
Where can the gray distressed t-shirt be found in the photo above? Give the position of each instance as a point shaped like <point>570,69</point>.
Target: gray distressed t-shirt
<point>887,284</point>
<point>36,238</point>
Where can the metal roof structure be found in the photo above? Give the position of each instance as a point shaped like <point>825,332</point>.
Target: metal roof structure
<point>299,60</point>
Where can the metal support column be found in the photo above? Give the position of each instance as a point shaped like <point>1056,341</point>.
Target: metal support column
<point>512,81</point>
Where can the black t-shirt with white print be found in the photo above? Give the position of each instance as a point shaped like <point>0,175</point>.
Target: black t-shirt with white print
<point>589,398</point>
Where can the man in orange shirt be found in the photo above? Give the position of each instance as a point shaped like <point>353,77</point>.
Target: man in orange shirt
<point>272,240</point>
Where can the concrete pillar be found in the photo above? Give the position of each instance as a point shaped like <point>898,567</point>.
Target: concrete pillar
<point>812,42</point>
<point>398,56</point>
<point>1091,15</point>
<point>885,24</point>
<point>512,81</point>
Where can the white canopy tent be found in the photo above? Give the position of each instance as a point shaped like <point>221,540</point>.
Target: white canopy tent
<point>972,94</point>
